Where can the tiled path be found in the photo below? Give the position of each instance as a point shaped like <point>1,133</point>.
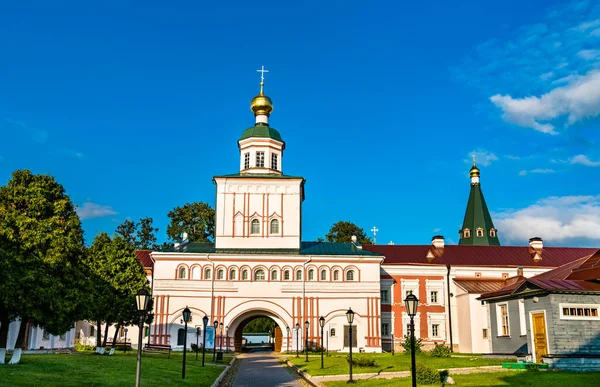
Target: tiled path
<point>263,370</point>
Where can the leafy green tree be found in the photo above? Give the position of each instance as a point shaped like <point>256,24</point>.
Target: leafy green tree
<point>145,235</point>
<point>196,219</point>
<point>259,325</point>
<point>118,277</point>
<point>42,233</point>
<point>341,232</point>
<point>127,230</point>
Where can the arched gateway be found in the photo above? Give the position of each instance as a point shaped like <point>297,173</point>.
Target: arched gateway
<point>258,264</point>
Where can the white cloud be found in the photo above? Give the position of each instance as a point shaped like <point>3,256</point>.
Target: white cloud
<point>589,54</point>
<point>547,75</point>
<point>37,135</point>
<point>584,160</point>
<point>577,100</point>
<point>566,220</point>
<point>522,173</point>
<point>482,157</point>
<point>437,229</point>
<point>92,210</point>
<point>537,170</point>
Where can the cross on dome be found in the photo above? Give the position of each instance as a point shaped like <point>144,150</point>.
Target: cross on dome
<point>262,72</point>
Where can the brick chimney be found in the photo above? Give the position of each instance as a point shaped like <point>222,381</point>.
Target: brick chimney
<point>437,248</point>
<point>536,246</point>
<point>520,271</point>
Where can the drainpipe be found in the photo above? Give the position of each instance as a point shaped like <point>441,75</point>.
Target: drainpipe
<point>304,291</point>
<point>212,286</point>
<point>449,307</point>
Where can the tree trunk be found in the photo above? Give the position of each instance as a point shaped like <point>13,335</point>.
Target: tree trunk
<point>114,341</point>
<point>16,356</point>
<point>4,324</point>
<point>105,334</point>
<point>99,337</point>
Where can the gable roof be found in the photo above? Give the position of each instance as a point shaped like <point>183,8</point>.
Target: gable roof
<point>145,259</point>
<point>466,255</point>
<point>579,276</point>
<point>479,285</point>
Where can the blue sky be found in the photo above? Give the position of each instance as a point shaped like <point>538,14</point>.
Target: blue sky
<point>135,106</point>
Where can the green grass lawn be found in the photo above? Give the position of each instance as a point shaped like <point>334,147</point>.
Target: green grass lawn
<point>87,369</point>
<point>514,378</point>
<point>338,365</point>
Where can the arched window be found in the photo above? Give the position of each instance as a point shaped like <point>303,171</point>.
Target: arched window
<point>332,332</point>
<point>298,275</point>
<point>207,273</point>
<point>311,275</point>
<point>180,336</point>
<point>255,227</point>
<point>466,233</point>
<point>274,275</point>
<point>479,232</point>
<point>286,275</point>
<point>259,275</point>
<point>232,274</point>
<point>275,226</point>
<point>196,272</point>
<point>493,232</point>
<point>245,275</point>
<point>221,274</point>
<point>350,275</point>
<point>336,275</point>
<point>182,273</point>
<point>323,275</point>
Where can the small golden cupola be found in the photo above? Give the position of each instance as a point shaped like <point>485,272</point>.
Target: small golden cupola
<point>261,105</point>
<point>474,172</point>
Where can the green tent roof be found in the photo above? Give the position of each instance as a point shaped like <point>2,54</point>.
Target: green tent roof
<point>308,248</point>
<point>477,216</point>
<point>261,130</point>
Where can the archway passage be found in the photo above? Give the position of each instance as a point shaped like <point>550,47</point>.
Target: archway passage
<point>258,333</point>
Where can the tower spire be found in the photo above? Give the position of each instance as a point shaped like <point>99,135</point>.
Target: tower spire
<point>478,227</point>
<point>261,105</point>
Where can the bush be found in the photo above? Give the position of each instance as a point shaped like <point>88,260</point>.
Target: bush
<point>427,375</point>
<point>81,347</point>
<point>406,344</point>
<point>440,350</point>
<point>362,362</point>
<point>195,348</point>
<point>533,367</point>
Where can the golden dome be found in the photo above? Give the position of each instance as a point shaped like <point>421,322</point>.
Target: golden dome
<point>474,171</point>
<point>261,104</point>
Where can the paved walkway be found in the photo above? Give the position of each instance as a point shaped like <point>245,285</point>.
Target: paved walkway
<point>262,370</point>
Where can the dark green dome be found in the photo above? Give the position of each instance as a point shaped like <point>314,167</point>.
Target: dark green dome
<point>264,131</point>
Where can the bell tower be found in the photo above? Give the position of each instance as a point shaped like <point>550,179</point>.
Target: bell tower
<point>259,207</point>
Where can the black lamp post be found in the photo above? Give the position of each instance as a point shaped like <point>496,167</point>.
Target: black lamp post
<point>350,317</point>
<point>306,324</point>
<point>197,337</point>
<point>125,347</point>
<point>205,322</point>
<point>392,344</point>
<point>287,340</point>
<point>227,339</point>
<point>411,303</point>
<point>322,324</point>
<point>297,334</point>
<point>216,325</point>
<point>221,338</point>
<point>142,299</point>
<point>187,314</point>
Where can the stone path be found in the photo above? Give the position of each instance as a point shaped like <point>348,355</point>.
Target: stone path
<point>263,370</point>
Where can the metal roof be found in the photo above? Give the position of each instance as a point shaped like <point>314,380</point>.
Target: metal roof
<point>466,255</point>
<point>479,286</point>
<point>145,259</point>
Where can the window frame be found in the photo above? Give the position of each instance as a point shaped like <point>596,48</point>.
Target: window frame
<point>232,274</point>
<point>245,275</point>
<point>254,222</point>
<point>274,161</point>
<point>466,233</point>
<point>262,273</point>
<point>323,275</point>
<point>220,274</point>
<point>274,222</point>
<point>479,232</point>
<point>311,274</point>
<point>274,275</point>
<point>260,159</point>
<point>501,319</point>
<point>207,274</point>
<point>247,160</point>
<point>336,275</point>
<point>593,308</point>
<point>180,270</point>
<point>286,275</point>
<point>298,275</point>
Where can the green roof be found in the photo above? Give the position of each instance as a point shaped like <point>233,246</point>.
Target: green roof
<point>477,216</point>
<point>308,248</point>
<point>261,130</point>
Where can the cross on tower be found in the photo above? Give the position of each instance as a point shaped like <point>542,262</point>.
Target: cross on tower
<point>262,72</point>
<point>374,230</point>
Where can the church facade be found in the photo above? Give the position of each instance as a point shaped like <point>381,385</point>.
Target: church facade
<point>258,265</point>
